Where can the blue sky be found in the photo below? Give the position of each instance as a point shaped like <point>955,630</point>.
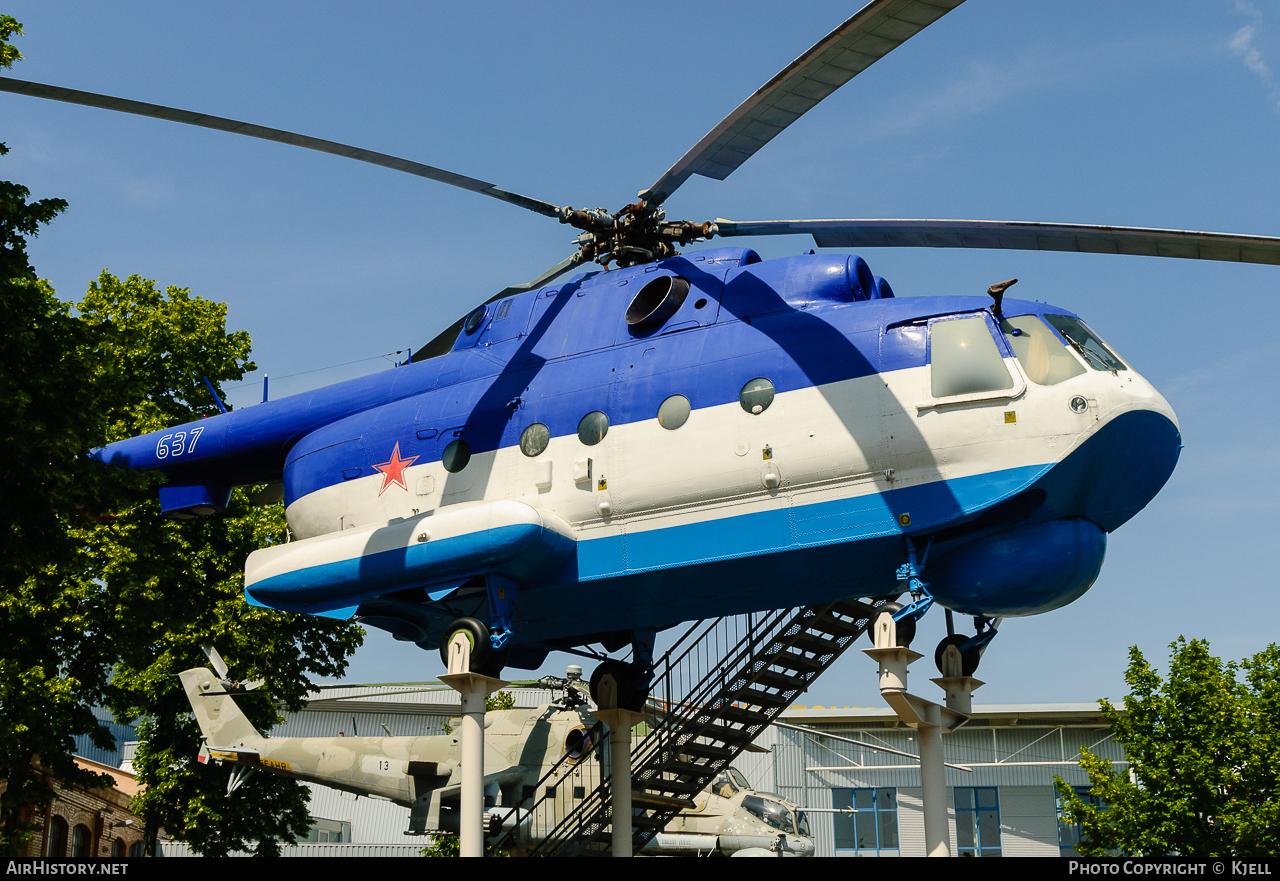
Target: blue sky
<point>1158,113</point>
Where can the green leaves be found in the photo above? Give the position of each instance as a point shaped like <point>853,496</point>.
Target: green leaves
<point>103,599</point>
<point>154,350</point>
<point>8,27</point>
<point>1204,750</point>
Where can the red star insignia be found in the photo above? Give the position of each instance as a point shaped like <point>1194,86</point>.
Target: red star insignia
<point>393,469</point>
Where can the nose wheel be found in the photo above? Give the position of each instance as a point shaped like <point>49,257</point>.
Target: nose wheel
<point>957,654</point>
<point>968,658</point>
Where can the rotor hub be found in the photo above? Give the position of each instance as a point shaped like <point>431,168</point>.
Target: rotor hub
<point>635,235</point>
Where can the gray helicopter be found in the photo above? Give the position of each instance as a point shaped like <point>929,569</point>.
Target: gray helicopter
<point>522,747</point>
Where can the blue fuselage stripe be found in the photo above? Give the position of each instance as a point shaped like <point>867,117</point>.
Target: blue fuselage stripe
<point>835,522</point>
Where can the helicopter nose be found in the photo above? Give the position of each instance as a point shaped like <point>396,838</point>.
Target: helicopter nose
<point>1117,471</point>
<point>1045,564</point>
<point>1130,457</point>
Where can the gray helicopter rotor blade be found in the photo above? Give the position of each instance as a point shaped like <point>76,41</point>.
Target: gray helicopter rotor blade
<point>872,33</point>
<point>443,341</point>
<point>157,111</point>
<point>556,271</point>
<point>1017,235</point>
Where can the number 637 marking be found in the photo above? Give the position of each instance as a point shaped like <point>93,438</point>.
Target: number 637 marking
<point>177,444</point>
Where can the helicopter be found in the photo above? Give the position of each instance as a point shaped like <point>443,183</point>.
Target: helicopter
<point>727,818</point>
<point>416,503</point>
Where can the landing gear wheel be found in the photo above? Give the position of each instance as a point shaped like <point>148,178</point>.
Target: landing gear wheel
<point>478,634</point>
<point>629,695</point>
<point>968,660</point>
<point>906,627</point>
<point>497,661</point>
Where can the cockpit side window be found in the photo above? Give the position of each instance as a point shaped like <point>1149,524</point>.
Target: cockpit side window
<point>1093,350</point>
<point>965,359</point>
<point>1041,354</point>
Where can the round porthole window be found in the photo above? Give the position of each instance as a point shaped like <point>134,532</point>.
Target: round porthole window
<point>534,440</point>
<point>756,396</point>
<point>674,412</point>
<point>593,427</point>
<point>456,456</point>
<point>656,302</point>
<point>473,320</point>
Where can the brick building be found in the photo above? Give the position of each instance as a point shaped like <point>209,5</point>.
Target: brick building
<point>87,823</point>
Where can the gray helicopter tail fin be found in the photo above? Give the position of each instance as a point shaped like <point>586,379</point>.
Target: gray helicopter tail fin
<point>220,720</point>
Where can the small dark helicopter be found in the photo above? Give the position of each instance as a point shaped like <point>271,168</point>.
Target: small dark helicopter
<point>685,435</point>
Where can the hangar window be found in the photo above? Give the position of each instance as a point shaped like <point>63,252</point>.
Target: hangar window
<point>456,456</point>
<point>1042,355</point>
<point>965,359</point>
<point>977,821</point>
<point>756,396</point>
<point>534,440</point>
<point>593,427</point>
<point>674,412</point>
<point>324,831</point>
<point>865,821</point>
<point>1071,833</point>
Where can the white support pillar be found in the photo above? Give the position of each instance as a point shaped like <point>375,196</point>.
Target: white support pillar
<point>474,688</point>
<point>933,785</point>
<point>620,723</point>
<point>930,720</point>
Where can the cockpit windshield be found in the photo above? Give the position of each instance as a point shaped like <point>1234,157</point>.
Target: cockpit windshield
<point>1042,355</point>
<point>725,786</point>
<point>1093,350</point>
<point>776,814</point>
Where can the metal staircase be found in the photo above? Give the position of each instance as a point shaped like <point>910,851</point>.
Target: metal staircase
<point>714,691</point>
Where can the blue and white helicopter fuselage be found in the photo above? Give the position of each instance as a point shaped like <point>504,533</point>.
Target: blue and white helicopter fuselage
<point>762,434</point>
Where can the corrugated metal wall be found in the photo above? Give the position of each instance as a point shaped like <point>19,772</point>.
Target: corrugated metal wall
<point>373,820</point>
<point>1028,811</point>
<point>84,746</point>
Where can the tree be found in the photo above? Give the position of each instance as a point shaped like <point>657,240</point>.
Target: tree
<point>168,586</point>
<point>51,420</point>
<point>103,599</point>
<point>1204,752</point>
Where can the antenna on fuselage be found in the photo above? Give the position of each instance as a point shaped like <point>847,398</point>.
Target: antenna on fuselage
<point>217,400</point>
<point>997,293</point>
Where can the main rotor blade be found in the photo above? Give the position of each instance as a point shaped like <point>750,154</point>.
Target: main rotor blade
<point>559,269</point>
<point>124,105</point>
<point>444,340</point>
<point>872,33</point>
<point>860,233</point>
